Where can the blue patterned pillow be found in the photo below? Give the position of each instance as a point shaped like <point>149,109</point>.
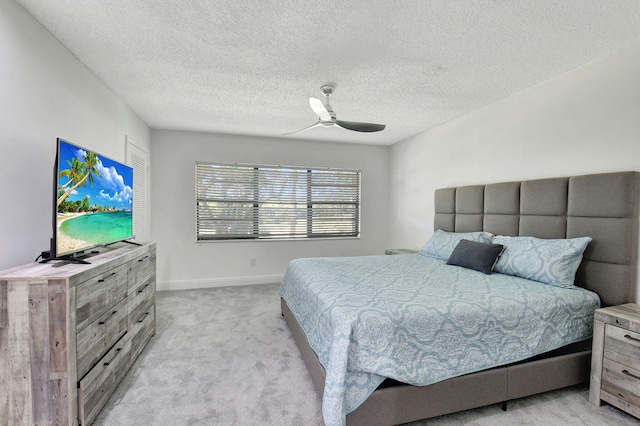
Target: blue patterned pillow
<point>549,261</point>
<point>442,243</point>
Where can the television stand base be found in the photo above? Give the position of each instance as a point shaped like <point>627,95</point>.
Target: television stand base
<point>124,241</point>
<point>66,260</point>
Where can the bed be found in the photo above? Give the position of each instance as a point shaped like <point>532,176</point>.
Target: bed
<point>603,207</point>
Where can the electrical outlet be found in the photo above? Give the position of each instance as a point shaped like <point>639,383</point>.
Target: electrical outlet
<point>252,262</point>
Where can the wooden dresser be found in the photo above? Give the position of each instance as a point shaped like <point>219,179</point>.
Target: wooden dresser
<point>615,359</point>
<point>69,333</point>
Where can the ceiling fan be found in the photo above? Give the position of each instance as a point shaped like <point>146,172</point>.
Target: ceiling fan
<point>327,117</point>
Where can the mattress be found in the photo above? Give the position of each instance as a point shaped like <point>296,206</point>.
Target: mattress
<point>419,321</point>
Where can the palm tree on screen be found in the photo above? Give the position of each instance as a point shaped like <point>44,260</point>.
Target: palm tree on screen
<point>88,166</point>
<point>74,173</point>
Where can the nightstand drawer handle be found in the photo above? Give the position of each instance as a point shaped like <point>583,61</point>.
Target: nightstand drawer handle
<point>626,336</point>
<point>631,375</point>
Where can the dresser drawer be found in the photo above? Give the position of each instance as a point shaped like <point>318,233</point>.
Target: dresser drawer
<point>99,336</point>
<point>622,345</point>
<point>141,269</point>
<point>98,294</point>
<point>141,300</point>
<point>96,387</point>
<point>142,330</point>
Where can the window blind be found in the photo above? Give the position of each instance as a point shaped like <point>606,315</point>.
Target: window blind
<point>236,201</point>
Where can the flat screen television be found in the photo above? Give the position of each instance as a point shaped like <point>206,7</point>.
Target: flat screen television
<point>93,199</point>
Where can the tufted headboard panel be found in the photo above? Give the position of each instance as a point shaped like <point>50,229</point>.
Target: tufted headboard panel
<point>601,206</point>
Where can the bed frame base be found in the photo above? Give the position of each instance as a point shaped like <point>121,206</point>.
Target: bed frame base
<point>404,403</point>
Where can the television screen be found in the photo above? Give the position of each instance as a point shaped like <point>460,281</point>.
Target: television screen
<point>93,200</point>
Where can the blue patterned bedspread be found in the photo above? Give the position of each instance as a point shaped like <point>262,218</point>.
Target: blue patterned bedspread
<point>417,320</point>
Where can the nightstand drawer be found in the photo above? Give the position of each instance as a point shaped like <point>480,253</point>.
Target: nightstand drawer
<point>615,359</point>
<point>617,377</point>
<point>622,345</point>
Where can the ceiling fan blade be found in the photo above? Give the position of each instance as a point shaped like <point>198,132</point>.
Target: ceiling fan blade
<point>318,107</point>
<point>316,124</point>
<point>360,127</point>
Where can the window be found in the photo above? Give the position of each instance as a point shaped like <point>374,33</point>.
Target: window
<point>235,201</point>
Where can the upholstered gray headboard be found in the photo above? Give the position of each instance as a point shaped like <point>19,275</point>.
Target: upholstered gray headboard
<point>601,206</point>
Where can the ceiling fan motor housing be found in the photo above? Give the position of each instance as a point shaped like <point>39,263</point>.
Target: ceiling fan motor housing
<point>327,90</point>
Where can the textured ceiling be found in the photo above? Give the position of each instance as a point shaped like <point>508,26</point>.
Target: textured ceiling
<point>249,66</point>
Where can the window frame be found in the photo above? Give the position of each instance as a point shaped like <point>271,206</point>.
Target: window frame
<point>312,211</point>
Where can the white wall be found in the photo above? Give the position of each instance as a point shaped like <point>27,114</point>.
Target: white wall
<point>586,121</point>
<point>184,263</point>
<point>45,93</point>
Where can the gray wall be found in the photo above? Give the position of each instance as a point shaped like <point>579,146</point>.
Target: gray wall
<point>184,263</point>
<point>45,93</point>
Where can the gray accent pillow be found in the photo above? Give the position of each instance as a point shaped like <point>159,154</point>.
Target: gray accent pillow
<point>475,255</point>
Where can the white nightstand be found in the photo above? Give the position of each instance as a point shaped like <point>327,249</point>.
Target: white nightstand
<point>400,251</point>
<point>615,359</point>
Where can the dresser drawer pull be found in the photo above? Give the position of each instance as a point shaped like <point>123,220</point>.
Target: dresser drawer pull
<point>626,336</point>
<point>108,318</point>
<point>143,317</point>
<point>143,259</point>
<point>118,351</point>
<point>143,288</point>
<point>108,278</point>
<point>630,375</point>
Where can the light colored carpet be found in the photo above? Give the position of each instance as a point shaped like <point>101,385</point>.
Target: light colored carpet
<point>225,356</point>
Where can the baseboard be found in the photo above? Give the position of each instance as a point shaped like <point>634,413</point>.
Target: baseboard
<point>217,282</point>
